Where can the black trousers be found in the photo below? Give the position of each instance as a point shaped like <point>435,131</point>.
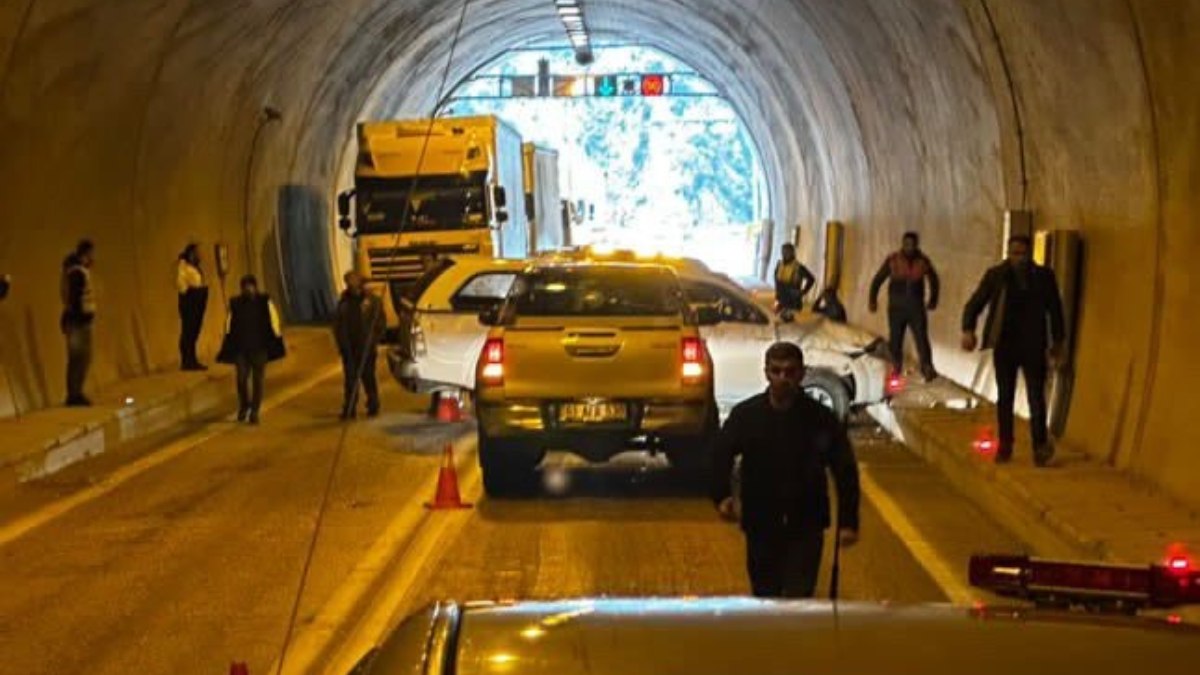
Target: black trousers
<point>352,378</point>
<point>902,317</point>
<point>79,359</point>
<point>251,369</point>
<point>1032,362</point>
<point>784,565</point>
<point>191,320</point>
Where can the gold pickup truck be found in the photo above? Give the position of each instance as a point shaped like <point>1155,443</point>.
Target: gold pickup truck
<point>591,358</point>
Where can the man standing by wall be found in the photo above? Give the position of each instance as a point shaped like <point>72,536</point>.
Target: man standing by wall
<point>79,312</point>
<point>906,271</point>
<point>792,280</point>
<point>193,300</point>
<point>1023,301</point>
<point>358,328</point>
<point>787,442</point>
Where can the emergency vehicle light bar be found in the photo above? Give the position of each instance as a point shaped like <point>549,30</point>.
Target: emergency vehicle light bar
<point>1035,579</point>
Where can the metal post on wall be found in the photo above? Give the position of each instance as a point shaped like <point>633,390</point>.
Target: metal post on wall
<point>835,250</point>
<point>1062,251</point>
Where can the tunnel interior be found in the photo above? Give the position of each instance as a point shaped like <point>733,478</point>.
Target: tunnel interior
<point>145,128</point>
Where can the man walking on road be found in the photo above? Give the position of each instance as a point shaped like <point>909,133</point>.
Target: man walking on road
<point>79,312</point>
<point>193,301</point>
<point>253,337</point>
<point>1023,303</point>
<point>358,328</point>
<point>787,442</point>
<point>792,280</point>
<point>906,271</point>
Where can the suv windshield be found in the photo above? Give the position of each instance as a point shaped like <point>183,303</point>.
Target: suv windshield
<point>390,205</point>
<point>598,291</point>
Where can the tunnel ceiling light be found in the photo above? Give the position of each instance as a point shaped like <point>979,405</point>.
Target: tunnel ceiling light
<point>570,12</point>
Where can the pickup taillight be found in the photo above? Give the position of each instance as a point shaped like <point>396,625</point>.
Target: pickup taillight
<point>491,362</point>
<point>692,349</point>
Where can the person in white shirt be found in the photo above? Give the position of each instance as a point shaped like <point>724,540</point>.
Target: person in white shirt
<point>193,301</point>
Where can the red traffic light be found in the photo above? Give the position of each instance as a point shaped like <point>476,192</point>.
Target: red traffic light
<point>654,85</point>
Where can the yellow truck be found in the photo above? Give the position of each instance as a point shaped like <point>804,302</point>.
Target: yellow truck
<point>426,190</point>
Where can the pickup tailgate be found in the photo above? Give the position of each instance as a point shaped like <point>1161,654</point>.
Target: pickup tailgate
<point>626,358</point>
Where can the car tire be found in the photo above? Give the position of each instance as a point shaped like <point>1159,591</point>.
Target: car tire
<point>829,390</point>
<point>508,467</point>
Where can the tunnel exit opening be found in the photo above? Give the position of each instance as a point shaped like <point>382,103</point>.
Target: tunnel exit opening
<point>651,156</point>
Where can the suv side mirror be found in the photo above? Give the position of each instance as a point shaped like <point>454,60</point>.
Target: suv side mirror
<point>344,224</point>
<point>708,315</point>
<point>490,316</point>
<point>499,197</point>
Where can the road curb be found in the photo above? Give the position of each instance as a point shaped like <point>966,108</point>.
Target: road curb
<point>995,490</point>
<point>199,400</point>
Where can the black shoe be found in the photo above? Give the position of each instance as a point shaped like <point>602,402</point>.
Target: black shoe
<point>195,367</point>
<point>373,411</point>
<point>242,414</point>
<point>78,402</point>
<point>1043,454</point>
<point>348,414</point>
<point>1003,457</point>
<point>929,374</point>
<point>254,417</point>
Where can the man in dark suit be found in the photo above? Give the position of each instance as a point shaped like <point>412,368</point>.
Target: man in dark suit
<point>788,442</point>
<point>1026,329</point>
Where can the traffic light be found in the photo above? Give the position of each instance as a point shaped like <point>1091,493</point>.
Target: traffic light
<point>604,85</point>
<point>654,85</point>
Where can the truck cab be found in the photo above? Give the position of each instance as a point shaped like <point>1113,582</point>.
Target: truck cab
<point>425,190</point>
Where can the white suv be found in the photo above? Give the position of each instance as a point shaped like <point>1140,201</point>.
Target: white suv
<point>440,334</point>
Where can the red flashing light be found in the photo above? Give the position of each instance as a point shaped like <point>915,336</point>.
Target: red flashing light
<point>1179,564</point>
<point>895,384</point>
<point>985,442</point>
<point>1174,619</point>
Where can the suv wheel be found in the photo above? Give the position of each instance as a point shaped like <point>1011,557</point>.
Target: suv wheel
<point>828,389</point>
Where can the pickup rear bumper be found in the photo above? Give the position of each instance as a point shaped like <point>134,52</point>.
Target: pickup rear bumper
<point>537,422</point>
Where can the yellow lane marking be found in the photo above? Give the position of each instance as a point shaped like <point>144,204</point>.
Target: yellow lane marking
<point>943,574</point>
<point>26,524</point>
<point>415,533</point>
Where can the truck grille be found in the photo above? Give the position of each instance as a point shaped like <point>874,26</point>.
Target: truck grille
<point>404,264</point>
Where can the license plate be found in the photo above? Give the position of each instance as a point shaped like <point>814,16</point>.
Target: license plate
<point>592,412</point>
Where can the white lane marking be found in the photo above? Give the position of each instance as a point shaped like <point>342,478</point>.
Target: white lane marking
<point>415,532</point>
<point>943,575</point>
<point>26,524</point>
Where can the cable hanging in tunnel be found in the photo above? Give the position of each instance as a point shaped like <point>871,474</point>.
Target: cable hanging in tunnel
<point>362,362</point>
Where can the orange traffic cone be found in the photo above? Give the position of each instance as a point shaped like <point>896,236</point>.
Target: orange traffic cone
<point>448,409</point>
<point>447,496</point>
<point>239,668</point>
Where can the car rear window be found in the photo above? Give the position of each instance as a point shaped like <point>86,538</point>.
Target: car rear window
<point>598,291</point>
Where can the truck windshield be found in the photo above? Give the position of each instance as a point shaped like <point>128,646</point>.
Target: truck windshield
<point>391,205</point>
<point>598,291</point>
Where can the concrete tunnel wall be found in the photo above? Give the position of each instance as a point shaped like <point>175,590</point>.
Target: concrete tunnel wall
<point>140,125</point>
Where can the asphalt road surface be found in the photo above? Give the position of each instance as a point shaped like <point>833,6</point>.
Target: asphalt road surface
<point>196,562</point>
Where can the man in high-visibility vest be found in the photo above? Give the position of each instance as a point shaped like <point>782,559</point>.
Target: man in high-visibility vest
<point>906,271</point>
<point>792,280</point>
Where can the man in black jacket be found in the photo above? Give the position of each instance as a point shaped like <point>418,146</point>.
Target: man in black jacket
<point>1022,298</point>
<point>358,328</point>
<point>253,337</point>
<point>79,312</point>
<point>906,271</point>
<point>786,441</point>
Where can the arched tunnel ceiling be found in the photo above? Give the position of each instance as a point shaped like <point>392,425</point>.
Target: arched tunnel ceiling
<point>140,124</point>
